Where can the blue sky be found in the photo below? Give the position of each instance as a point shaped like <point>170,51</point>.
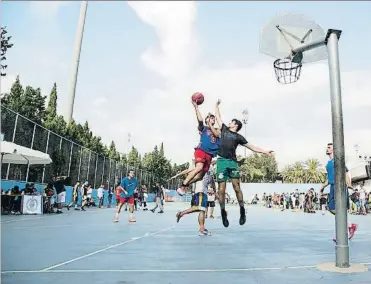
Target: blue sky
<point>141,62</point>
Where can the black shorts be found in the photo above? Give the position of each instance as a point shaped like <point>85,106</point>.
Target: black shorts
<point>211,204</point>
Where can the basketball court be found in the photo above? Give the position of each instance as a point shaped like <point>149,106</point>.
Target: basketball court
<point>87,247</point>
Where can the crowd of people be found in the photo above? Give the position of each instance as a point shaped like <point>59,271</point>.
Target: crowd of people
<point>311,201</point>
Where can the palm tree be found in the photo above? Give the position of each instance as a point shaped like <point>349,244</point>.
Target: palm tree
<point>313,173</point>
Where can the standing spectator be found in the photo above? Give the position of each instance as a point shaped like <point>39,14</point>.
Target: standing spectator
<point>110,196</point>
<point>362,200</point>
<point>59,183</point>
<point>159,196</point>
<point>100,195</point>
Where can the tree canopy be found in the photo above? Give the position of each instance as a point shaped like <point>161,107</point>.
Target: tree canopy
<point>5,45</point>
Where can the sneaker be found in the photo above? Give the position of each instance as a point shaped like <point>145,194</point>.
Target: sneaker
<point>160,212</point>
<point>224,218</point>
<point>211,217</point>
<point>68,207</point>
<point>82,209</point>
<point>132,220</point>
<point>352,229</point>
<point>116,220</point>
<point>153,210</point>
<point>205,232</point>
<point>59,212</point>
<point>242,216</point>
<point>178,216</point>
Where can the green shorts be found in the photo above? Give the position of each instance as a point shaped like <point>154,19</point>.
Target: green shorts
<point>226,169</point>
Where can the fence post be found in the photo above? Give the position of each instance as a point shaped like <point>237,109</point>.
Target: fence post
<point>87,175</point>
<point>46,151</point>
<point>69,164</point>
<point>32,141</point>
<point>78,175</point>
<point>96,167</point>
<point>14,130</point>
<point>104,165</point>
<point>109,171</point>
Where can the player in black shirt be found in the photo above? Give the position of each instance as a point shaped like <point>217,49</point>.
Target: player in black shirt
<point>227,165</point>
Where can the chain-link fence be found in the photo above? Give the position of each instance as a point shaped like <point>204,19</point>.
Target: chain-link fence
<point>69,158</point>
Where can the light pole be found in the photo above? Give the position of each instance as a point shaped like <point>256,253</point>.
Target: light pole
<point>76,62</point>
<point>245,117</point>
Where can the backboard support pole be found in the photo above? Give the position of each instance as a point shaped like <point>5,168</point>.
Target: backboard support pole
<point>342,247</point>
<point>309,46</point>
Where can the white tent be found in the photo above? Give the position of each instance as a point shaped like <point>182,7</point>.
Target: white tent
<point>12,153</point>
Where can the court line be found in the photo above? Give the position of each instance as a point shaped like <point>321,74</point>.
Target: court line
<point>163,270</point>
<point>104,249</point>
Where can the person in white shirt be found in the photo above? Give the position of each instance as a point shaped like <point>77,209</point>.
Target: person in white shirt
<point>362,200</point>
<point>100,195</point>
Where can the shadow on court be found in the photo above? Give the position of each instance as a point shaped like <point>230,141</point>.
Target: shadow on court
<point>87,247</point>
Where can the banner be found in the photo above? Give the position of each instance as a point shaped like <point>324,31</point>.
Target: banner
<point>32,204</point>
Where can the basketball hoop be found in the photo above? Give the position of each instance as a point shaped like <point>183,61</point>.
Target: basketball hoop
<point>287,71</point>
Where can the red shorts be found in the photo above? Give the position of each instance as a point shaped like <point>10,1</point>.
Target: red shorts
<point>129,200</point>
<point>203,157</point>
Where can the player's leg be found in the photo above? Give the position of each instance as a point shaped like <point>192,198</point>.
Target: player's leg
<point>118,210</point>
<point>130,201</point>
<point>239,196</point>
<point>196,174</point>
<point>212,206</point>
<point>352,227</point>
<point>194,207</point>
<point>221,178</point>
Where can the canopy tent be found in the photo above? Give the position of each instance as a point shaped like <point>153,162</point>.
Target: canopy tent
<point>12,153</point>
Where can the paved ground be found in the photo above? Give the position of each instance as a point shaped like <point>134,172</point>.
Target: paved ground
<point>87,247</point>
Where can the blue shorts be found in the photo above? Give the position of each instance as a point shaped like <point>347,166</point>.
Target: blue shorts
<point>331,201</point>
<point>199,201</point>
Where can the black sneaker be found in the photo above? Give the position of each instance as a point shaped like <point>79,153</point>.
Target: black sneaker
<point>160,212</point>
<point>224,218</point>
<point>242,216</point>
<point>178,216</point>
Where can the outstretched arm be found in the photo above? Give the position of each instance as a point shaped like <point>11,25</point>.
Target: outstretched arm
<point>257,149</point>
<point>217,114</point>
<point>216,132</point>
<point>199,117</point>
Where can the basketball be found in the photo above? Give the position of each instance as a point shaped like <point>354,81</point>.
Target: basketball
<point>198,98</point>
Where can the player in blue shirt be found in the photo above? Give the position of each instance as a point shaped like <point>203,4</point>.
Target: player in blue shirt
<point>330,168</point>
<point>204,152</point>
<point>127,186</point>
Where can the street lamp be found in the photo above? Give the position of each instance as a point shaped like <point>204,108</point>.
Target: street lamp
<point>245,117</point>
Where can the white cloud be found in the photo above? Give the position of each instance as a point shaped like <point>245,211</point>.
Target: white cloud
<point>292,119</point>
<point>46,9</point>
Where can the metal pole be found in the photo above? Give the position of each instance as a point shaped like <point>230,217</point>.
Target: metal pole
<point>13,138</point>
<point>87,175</point>
<point>69,163</point>
<point>46,151</point>
<point>309,46</point>
<point>96,167</point>
<point>32,141</point>
<point>342,248</point>
<point>104,165</point>
<point>78,174</point>
<point>109,171</point>
<point>75,70</point>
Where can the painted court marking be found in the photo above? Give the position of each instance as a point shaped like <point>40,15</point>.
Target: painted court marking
<point>161,270</point>
<point>104,249</point>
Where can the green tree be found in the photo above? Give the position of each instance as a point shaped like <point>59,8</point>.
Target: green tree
<point>259,168</point>
<point>14,100</point>
<point>5,45</point>
<point>313,173</point>
<point>33,105</point>
<point>51,110</point>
